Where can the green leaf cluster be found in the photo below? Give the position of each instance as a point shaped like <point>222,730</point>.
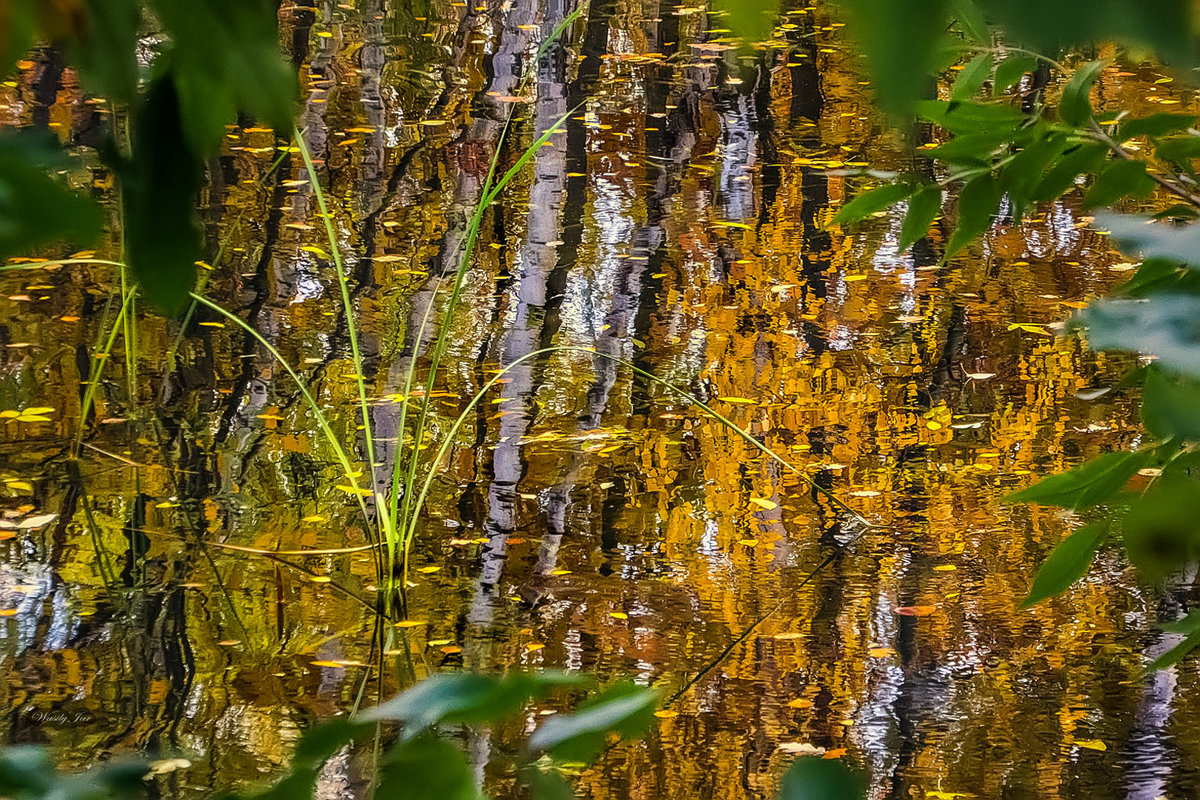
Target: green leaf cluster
<point>217,59</point>
<point>425,762</point>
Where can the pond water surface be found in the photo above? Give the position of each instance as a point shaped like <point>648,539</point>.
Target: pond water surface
<point>864,602</point>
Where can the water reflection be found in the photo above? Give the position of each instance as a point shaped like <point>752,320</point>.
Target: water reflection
<point>587,517</point>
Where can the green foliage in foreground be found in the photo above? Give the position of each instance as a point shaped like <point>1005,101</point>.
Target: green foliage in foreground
<point>1005,140</point>
<point>214,59</point>
<point>423,762</point>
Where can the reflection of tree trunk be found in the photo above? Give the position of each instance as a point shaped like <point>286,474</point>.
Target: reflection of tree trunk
<point>1150,742</point>
<point>534,264</point>
<point>476,149</point>
<point>629,314</point>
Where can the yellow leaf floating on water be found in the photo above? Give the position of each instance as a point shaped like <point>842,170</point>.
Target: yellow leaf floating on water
<point>762,502</point>
<point>439,642</point>
<point>945,568</point>
<point>802,702</point>
<point>915,611</point>
<point>1091,744</point>
<point>168,765</point>
<point>742,400</point>
<point>354,490</point>
<point>37,521</point>
<point>618,615</point>
<point>427,570</point>
<point>1029,327</point>
<point>666,713</point>
<point>881,652</point>
<point>533,647</point>
<point>409,623</point>
<point>335,664</point>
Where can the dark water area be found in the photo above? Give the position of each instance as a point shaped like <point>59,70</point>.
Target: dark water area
<point>198,582</point>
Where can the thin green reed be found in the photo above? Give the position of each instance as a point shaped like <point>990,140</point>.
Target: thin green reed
<point>448,441</point>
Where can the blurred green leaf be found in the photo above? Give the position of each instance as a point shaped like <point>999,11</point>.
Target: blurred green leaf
<point>319,743</point>
<point>25,770</point>
<point>1181,211</point>
<point>971,77</point>
<point>1179,149</point>
<point>1153,276</point>
<point>1119,180</point>
<point>1011,70</point>
<point>899,38</point>
<point>1164,326</point>
<point>750,20</point>
<point>923,208</point>
<point>159,187</point>
<point>467,698</point>
<point>1166,26</point>
<point>105,48</point>
<point>548,785</point>
<point>1020,177</point>
<point>426,768</point>
<point>1060,178</point>
<point>977,203</point>
<point>969,149</point>
<point>1075,106</point>
<point>624,709</point>
<point>226,56</point>
<point>1067,563</point>
<point>1086,485</point>
<point>35,208</point>
<point>1190,627</point>
<point>1162,527</point>
<point>1154,125</point>
<point>17,26</point>
<point>872,200</point>
<point>812,778</point>
<point>972,21</point>
<point>968,117</point>
<point>1141,236</point>
<point>1170,404</point>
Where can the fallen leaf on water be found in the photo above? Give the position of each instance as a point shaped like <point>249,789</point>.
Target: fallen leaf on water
<point>334,664</point>
<point>801,702</point>
<point>533,647</point>
<point>409,623</point>
<point>945,568</point>
<point>8,612</point>
<point>618,615</point>
<point>439,642</point>
<point>980,376</point>
<point>915,611</point>
<point>801,749</point>
<point>37,521</point>
<point>167,765</point>
<point>1092,744</point>
<point>837,752</point>
<point>666,714</point>
<point>427,570</point>
<point>881,652</point>
<point>762,502</point>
